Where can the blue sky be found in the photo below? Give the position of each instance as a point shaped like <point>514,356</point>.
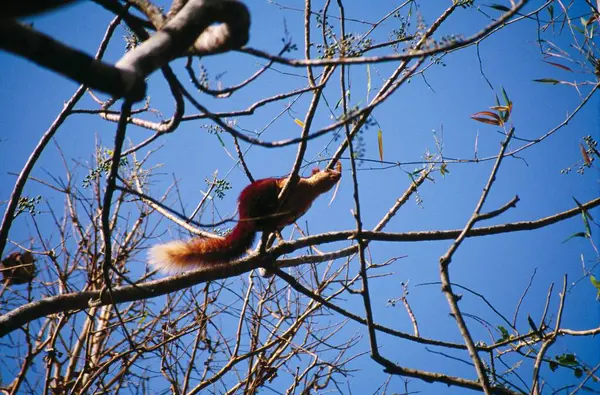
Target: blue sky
<point>499,267</point>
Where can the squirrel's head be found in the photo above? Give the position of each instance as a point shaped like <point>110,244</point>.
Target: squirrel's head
<point>326,178</point>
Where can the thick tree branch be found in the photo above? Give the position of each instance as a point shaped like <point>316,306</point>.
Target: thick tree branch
<point>191,27</point>
<point>19,9</point>
<point>73,64</point>
<point>81,300</point>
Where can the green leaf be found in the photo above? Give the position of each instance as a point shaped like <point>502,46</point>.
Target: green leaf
<point>585,215</point>
<point>339,102</point>
<point>552,365</point>
<point>586,224</point>
<point>444,169</point>
<point>578,372</point>
<point>504,332</point>
<point>532,324</point>
<point>547,81</point>
<point>581,207</point>
<point>578,234</point>
<point>500,7</point>
<point>566,359</point>
<point>220,140</point>
<point>506,99</point>
<point>505,109</point>
<point>596,285</point>
<point>550,9</point>
<point>580,30</point>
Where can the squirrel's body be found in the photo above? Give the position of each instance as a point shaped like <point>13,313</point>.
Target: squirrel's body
<point>259,211</point>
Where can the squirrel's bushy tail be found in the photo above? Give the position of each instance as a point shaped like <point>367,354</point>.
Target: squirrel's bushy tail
<point>181,255</point>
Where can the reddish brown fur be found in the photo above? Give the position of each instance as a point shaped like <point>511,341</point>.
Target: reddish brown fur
<point>259,210</point>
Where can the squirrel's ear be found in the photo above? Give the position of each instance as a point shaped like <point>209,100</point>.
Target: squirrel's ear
<point>315,170</point>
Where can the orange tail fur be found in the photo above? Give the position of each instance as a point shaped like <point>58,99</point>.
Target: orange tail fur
<point>177,256</point>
